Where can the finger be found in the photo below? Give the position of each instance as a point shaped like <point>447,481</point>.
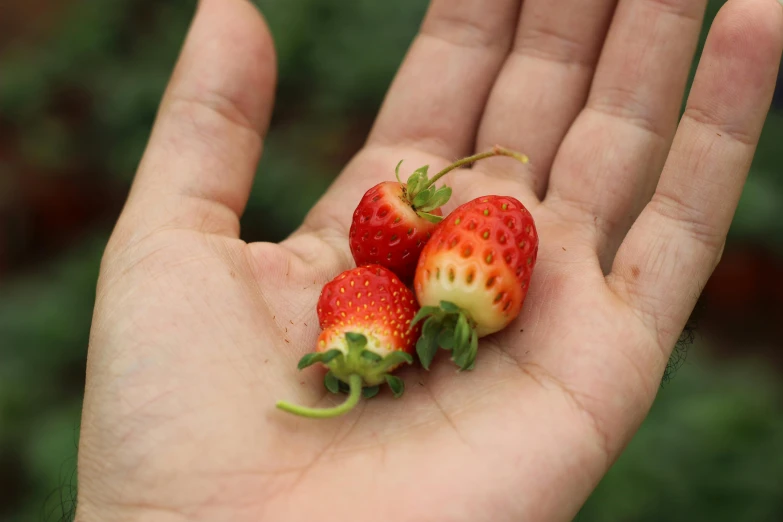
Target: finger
<point>199,164</point>
<point>675,244</point>
<point>438,96</point>
<point>430,114</point>
<point>609,163</point>
<point>544,82</point>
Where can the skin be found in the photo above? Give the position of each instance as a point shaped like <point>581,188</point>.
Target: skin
<point>193,342</point>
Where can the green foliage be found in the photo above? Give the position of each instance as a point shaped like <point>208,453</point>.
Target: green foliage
<point>711,450</point>
<point>44,320</point>
<point>758,216</point>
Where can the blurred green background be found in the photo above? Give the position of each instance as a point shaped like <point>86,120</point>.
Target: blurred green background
<point>79,85</point>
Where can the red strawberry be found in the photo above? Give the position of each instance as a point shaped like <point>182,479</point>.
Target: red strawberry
<point>394,220</point>
<point>473,276</point>
<point>366,316</point>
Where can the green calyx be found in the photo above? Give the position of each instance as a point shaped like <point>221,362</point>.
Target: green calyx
<point>421,194</point>
<point>448,327</point>
<point>420,191</point>
<point>357,372</point>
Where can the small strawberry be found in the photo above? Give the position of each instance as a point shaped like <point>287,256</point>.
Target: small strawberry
<point>394,220</point>
<point>366,315</point>
<point>473,276</point>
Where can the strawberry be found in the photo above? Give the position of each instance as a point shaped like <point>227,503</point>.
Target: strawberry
<point>366,315</point>
<point>473,276</point>
<point>394,220</point>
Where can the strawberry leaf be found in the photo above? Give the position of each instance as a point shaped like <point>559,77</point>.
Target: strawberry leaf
<point>467,353</point>
<point>461,356</point>
<point>424,312</point>
<point>448,327</point>
<point>427,345</point>
<point>462,330</point>
<point>370,391</point>
<point>439,198</point>
<point>331,383</point>
<point>412,185</point>
<point>473,351</point>
<point>355,339</point>
<point>420,199</point>
<point>314,357</point>
<point>417,181</point>
<point>308,360</point>
<point>397,172</point>
<point>396,384</point>
<point>432,218</point>
<point>460,353</point>
<point>396,358</point>
<point>421,173</point>
<point>446,338</point>
<point>432,327</point>
<point>371,356</point>
<point>331,354</point>
<point>448,307</point>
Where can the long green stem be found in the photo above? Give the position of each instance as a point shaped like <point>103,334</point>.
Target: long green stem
<point>496,151</point>
<point>355,382</point>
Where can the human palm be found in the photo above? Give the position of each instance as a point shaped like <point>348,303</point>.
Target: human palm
<point>196,333</point>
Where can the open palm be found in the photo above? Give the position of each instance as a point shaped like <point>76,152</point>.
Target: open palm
<point>196,334</point>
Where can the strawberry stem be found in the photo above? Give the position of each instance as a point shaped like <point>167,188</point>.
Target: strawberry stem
<point>355,383</point>
<point>357,366</point>
<point>497,150</point>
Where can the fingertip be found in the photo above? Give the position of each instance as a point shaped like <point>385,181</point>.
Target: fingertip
<point>204,149</point>
<point>750,28</point>
<point>230,51</point>
<point>739,67</point>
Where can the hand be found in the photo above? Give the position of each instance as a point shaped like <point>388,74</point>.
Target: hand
<point>197,334</point>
